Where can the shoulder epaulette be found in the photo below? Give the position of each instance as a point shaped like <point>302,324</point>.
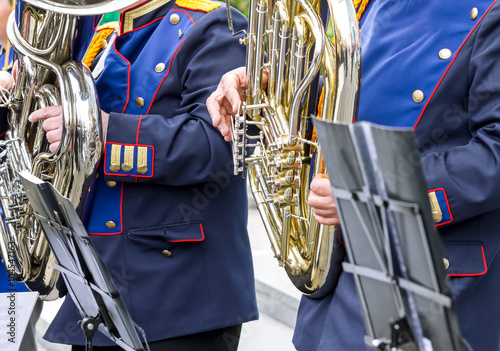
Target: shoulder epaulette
<point>198,5</point>
<point>99,42</point>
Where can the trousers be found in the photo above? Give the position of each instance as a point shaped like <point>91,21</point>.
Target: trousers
<point>224,339</point>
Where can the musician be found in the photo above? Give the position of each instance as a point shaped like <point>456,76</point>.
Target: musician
<point>157,209</point>
<point>432,66</point>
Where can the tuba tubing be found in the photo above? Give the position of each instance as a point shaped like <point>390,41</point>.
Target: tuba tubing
<point>48,75</point>
<point>285,157</point>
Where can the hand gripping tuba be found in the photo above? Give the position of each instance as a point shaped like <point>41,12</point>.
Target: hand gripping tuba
<point>48,36</point>
<point>286,156</point>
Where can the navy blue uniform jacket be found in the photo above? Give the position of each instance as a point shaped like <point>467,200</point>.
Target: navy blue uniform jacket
<point>434,66</point>
<point>165,212</point>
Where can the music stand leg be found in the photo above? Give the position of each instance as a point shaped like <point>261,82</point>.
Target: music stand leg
<point>89,326</point>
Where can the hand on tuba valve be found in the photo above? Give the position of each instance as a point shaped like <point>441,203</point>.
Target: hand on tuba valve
<point>52,117</point>
<point>225,101</point>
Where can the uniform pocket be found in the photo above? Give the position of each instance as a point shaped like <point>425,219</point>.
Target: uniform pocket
<point>181,232</point>
<point>464,259</point>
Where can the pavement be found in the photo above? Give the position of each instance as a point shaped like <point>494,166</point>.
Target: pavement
<point>277,299</point>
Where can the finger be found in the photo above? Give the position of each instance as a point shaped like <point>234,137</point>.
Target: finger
<point>53,147</point>
<point>54,136</point>
<point>327,213</point>
<point>214,107</point>
<point>321,186</point>
<point>326,221</point>
<point>52,123</point>
<point>44,113</point>
<point>6,80</point>
<point>323,202</point>
<point>228,107</point>
<point>232,86</point>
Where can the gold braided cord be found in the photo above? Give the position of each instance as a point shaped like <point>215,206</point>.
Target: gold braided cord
<point>360,5</point>
<point>96,45</point>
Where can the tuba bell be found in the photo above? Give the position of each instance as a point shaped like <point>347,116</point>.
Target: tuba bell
<point>286,156</point>
<point>49,37</point>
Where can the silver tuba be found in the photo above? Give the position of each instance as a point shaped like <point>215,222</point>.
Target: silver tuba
<point>292,35</point>
<point>48,36</point>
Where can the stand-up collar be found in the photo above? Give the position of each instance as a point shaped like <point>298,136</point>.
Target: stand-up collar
<point>144,13</point>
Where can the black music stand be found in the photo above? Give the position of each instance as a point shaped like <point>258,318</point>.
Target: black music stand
<point>88,280</point>
<point>395,253</point>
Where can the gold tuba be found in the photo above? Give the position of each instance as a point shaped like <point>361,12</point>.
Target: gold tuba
<point>47,35</point>
<point>286,156</point>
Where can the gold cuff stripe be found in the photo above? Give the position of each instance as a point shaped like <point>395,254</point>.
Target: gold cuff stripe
<point>142,159</point>
<point>437,214</point>
<point>128,158</point>
<point>116,151</point>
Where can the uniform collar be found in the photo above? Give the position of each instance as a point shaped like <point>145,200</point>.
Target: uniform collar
<point>144,13</point>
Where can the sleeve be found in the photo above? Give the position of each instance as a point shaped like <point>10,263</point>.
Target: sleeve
<point>466,178</point>
<point>185,149</point>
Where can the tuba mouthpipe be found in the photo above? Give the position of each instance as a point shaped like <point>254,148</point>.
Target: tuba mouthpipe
<point>348,65</point>
<point>318,32</point>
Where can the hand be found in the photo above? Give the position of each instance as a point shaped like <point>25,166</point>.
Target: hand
<point>321,200</point>
<point>224,102</point>
<point>6,80</point>
<point>53,123</point>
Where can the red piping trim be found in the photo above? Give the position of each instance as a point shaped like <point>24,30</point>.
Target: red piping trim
<point>86,198</point>
<point>165,77</point>
<point>340,240</point>
<point>1,135</point>
<point>96,21</point>
<point>129,175</point>
<point>447,205</point>
<point>449,66</point>
<point>138,128</point>
<point>169,65</point>
<point>128,75</point>
<point>121,218</point>
<point>128,9</point>
<point>145,25</point>
<point>186,240</point>
<point>137,139</point>
<point>474,274</point>
<point>187,14</point>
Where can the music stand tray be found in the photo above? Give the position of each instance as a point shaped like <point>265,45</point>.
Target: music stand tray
<point>88,280</point>
<point>395,253</point>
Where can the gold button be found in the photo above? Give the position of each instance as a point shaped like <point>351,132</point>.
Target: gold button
<point>142,169</point>
<point>166,253</point>
<point>126,167</point>
<point>104,43</point>
<point>160,67</point>
<point>445,54</point>
<point>446,263</point>
<point>111,224</point>
<point>473,13</point>
<point>111,183</point>
<point>174,18</point>
<point>437,216</point>
<point>140,102</point>
<point>418,96</point>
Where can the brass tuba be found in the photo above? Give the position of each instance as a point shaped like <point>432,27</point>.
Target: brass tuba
<point>292,35</point>
<point>48,35</point>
